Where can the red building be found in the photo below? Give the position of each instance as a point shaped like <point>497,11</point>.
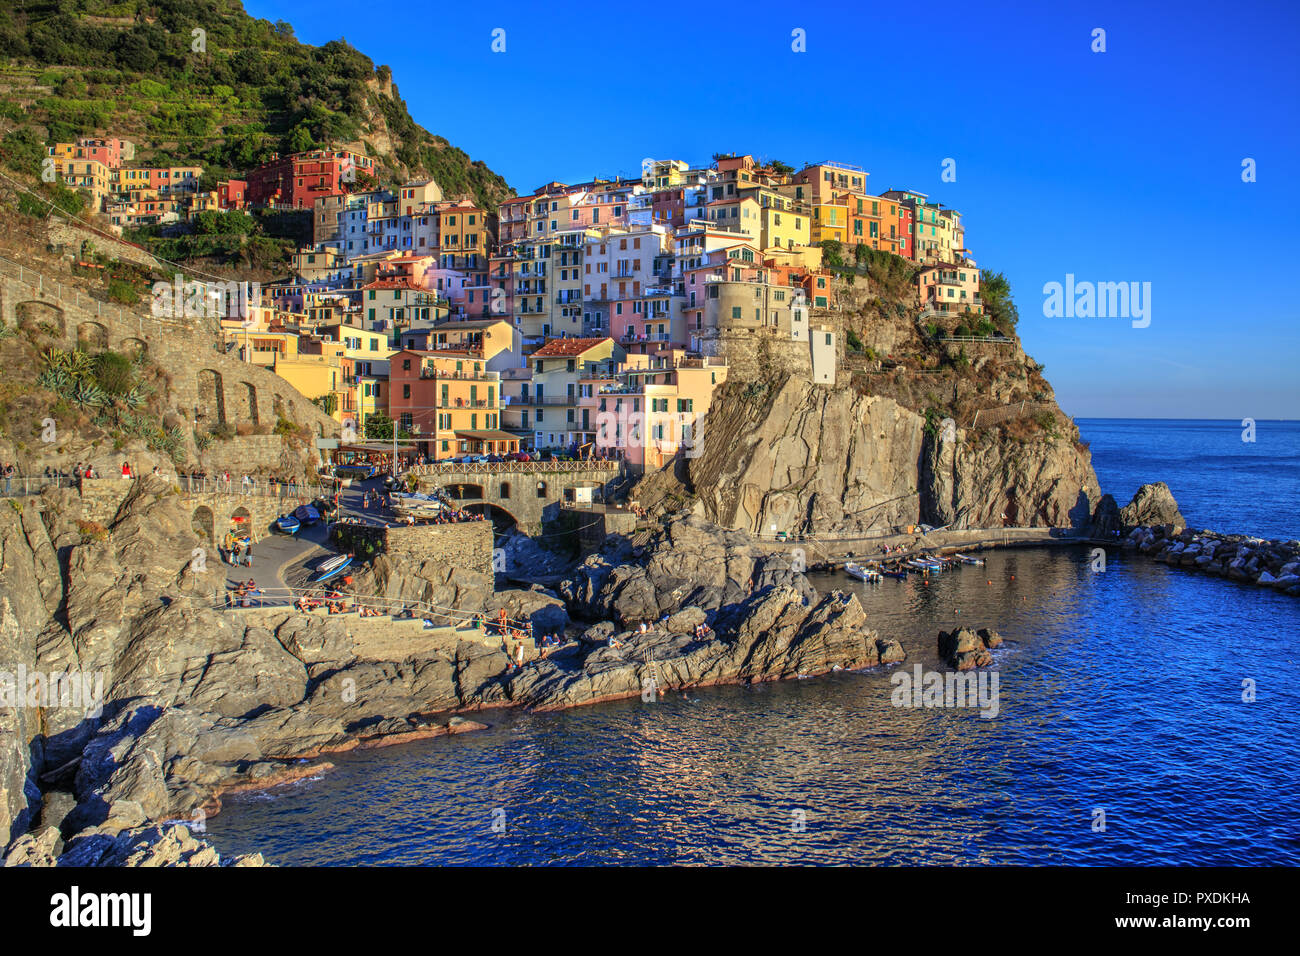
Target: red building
<point>299,180</point>
<point>232,194</point>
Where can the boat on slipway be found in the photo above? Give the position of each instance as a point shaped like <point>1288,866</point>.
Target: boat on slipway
<point>417,506</point>
<point>330,568</point>
<point>287,524</point>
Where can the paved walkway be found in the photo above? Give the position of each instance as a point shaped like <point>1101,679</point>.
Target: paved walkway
<point>276,554</point>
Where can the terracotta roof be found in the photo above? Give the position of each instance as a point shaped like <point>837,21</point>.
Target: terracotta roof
<point>562,347</point>
<point>401,282</point>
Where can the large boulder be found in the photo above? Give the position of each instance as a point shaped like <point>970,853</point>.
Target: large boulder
<point>1153,506</point>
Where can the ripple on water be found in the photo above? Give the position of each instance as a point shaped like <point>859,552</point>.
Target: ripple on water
<point>1119,693</point>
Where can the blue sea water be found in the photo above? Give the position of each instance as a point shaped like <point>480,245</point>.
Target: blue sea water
<point>1126,730</point>
<point>1224,475</point>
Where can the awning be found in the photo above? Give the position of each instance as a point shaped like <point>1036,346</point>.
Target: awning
<point>495,435</point>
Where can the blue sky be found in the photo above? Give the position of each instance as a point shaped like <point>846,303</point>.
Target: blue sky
<point>1117,166</point>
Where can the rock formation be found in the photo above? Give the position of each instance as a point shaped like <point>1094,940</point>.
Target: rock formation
<point>832,460</point>
<point>197,703</point>
<point>1152,505</point>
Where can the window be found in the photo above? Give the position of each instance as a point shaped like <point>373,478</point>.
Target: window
<point>406,391</point>
<point>504,490</point>
<point>735,312</point>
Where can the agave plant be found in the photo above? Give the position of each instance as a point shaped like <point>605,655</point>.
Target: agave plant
<point>56,359</point>
<point>80,363</point>
<point>57,380</point>
<point>89,395</point>
<point>136,396</point>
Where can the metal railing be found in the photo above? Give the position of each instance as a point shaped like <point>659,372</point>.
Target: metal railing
<point>510,467</point>
<point>993,416</point>
<point>72,295</point>
<point>396,608</point>
<point>263,488</point>
<point>19,486</point>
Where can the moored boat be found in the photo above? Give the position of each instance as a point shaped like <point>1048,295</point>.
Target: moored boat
<point>861,572</point>
<point>306,515</point>
<point>287,524</point>
<point>967,559</point>
<point>329,568</point>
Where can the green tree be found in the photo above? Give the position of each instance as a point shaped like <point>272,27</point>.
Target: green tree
<point>995,292</point>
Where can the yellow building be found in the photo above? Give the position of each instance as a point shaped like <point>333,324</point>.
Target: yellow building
<point>368,350</point>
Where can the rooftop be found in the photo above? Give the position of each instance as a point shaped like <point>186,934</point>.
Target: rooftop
<point>558,348</point>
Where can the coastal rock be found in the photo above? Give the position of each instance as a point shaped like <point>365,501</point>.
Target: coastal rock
<point>800,456</point>
<point>1106,519</point>
<point>1153,504</point>
<point>964,649</point>
<point>172,845</point>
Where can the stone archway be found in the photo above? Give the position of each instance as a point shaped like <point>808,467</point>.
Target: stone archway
<point>203,523</point>
<point>211,407</point>
<point>133,348</point>
<point>39,316</point>
<point>502,518</point>
<point>246,399</point>
<point>92,336</point>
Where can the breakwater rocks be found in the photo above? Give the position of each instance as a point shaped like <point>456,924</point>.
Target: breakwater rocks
<point>1268,563</point>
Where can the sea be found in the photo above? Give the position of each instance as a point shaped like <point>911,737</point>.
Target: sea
<point>1143,715</point>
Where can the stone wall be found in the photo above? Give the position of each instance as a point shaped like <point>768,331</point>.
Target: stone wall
<point>467,545</point>
<point>207,387</point>
<point>530,493</point>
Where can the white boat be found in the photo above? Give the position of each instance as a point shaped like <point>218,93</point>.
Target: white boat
<point>967,559</point>
<point>861,572</point>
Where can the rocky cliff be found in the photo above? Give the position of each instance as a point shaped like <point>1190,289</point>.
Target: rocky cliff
<point>801,457</point>
<point>929,421</point>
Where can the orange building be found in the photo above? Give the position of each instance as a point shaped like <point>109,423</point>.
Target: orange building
<point>450,402</point>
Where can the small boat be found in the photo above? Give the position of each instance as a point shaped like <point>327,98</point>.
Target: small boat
<point>861,572</point>
<point>306,514</point>
<point>287,524</point>
<point>894,573</point>
<point>327,569</point>
<point>916,564</point>
<point>967,559</point>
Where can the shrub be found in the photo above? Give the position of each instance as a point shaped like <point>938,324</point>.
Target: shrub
<point>113,372</point>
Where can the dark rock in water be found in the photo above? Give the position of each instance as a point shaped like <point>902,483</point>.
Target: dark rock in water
<point>1153,505</point>
<point>1106,518</point>
<point>964,649</point>
<point>990,637</point>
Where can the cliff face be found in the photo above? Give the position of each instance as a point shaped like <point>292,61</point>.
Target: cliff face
<point>799,456</point>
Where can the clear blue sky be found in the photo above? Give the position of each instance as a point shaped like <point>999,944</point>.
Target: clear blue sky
<point>1115,166</point>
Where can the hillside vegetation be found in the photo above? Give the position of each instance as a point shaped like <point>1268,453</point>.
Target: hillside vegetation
<point>227,98</point>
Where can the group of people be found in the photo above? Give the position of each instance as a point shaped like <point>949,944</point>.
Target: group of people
<point>243,594</point>
<point>240,551</point>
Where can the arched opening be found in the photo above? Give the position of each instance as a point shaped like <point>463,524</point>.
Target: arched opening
<point>41,317</point>
<point>135,349</point>
<point>92,336</point>
<point>203,523</point>
<point>211,409</point>
<point>503,490</point>
<point>248,402</point>
<point>541,488</point>
<point>502,520</point>
<point>241,522</point>
<point>464,492</point>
